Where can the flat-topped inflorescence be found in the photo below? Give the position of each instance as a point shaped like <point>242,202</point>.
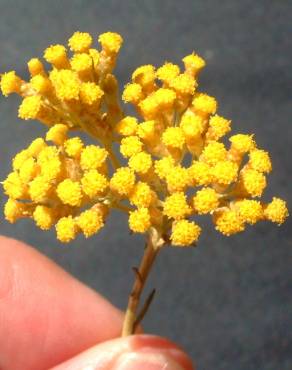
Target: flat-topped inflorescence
<point>175,165</point>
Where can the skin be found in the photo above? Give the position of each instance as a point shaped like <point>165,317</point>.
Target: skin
<point>50,320</point>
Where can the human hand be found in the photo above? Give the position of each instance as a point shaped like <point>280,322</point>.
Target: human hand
<point>48,317</point>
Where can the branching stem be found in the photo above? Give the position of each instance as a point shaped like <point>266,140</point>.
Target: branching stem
<point>114,160</point>
<point>148,259</point>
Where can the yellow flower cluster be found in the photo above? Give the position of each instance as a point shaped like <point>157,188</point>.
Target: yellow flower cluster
<point>79,91</point>
<point>180,125</point>
<point>62,184</point>
<point>175,166</point>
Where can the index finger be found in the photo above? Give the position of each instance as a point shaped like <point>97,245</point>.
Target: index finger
<point>46,315</point>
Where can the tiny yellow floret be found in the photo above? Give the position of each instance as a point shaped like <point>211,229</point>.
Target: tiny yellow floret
<point>205,201</point>
<point>30,107</point>
<point>90,93</point>
<point>80,42</point>
<point>191,125</point>
<point>185,233</point>
<point>35,67</point>
<point>127,126</point>
<point>14,187</point>
<point>146,130</point>
<point>123,181</point>
<point>218,127</point>
<point>10,83</point>
<point>13,210</point>
<point>193,63</point>
<point>149,107</point>
<point>41,84</point>
<point>167,72</point>
<point>81,62</point>
<point>39,189</point>
<point>141,195</point>
<point>183,84</point>
<point>44,217</point>
<point>74,147</point>
<point>130,145</point>
<point>139,220</point>
<point>111,42</point>
<point>20,158</point>
<point>47,153</point>
<point>163,166</point>
<point>260,160</point>
<point>205,104</point>
<point>57,134</point>
<point>175,206</point>
<point>164,98</point>
<point>140,162</point>
<point>132,93</point>
<point>49,162</point>
<point>254,182</point>
<point>90,222</point>
<point>276,211</point>
<point>173,137</point>
<point>251,211</point>
<point>229,222</point>
<point>66,84</point>
<point>242,143</point>
<point>28,170</point>
<point>200,173</point>
<point>93,157</point>
<point>94,183</point>
<point>56,55</point>
<point>51,169</point>
<point>66,229</point>
<point>144,75</point>
<point>213,153</point>
<point>225,172</point>
<point>70,192</point>
<point>36,146</point>
<point>177,179</point>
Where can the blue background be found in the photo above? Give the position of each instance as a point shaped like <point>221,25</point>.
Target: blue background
<point>226,302</point>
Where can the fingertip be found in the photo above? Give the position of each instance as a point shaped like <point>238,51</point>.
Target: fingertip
<point>45,313</point>
<point>130,353</point>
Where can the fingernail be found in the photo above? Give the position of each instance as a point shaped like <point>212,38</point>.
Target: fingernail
<point>147,361</point>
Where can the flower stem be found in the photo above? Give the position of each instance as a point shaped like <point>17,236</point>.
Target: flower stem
<point>114,160</point>
<point>142,273</point>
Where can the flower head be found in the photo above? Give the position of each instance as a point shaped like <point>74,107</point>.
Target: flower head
<point>80,42</point>
<point>139,220</point>
<point>30,107</point>
<point>172,164</point>
<point>111,42</point>
<point>142,195</point>
<point>90,222</point>
<point>176,206</point>
<point>276,211</point>
<point>66,229</point>
<point>123,181</point>
<point>56,55</point>
<point>185,233</point>
<point>229,222</point>
<point>206,200</point>
<point>92,157</point>
<point>10,83</point>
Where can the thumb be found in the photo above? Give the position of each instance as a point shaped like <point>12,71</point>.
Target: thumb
<point>137,352</point>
